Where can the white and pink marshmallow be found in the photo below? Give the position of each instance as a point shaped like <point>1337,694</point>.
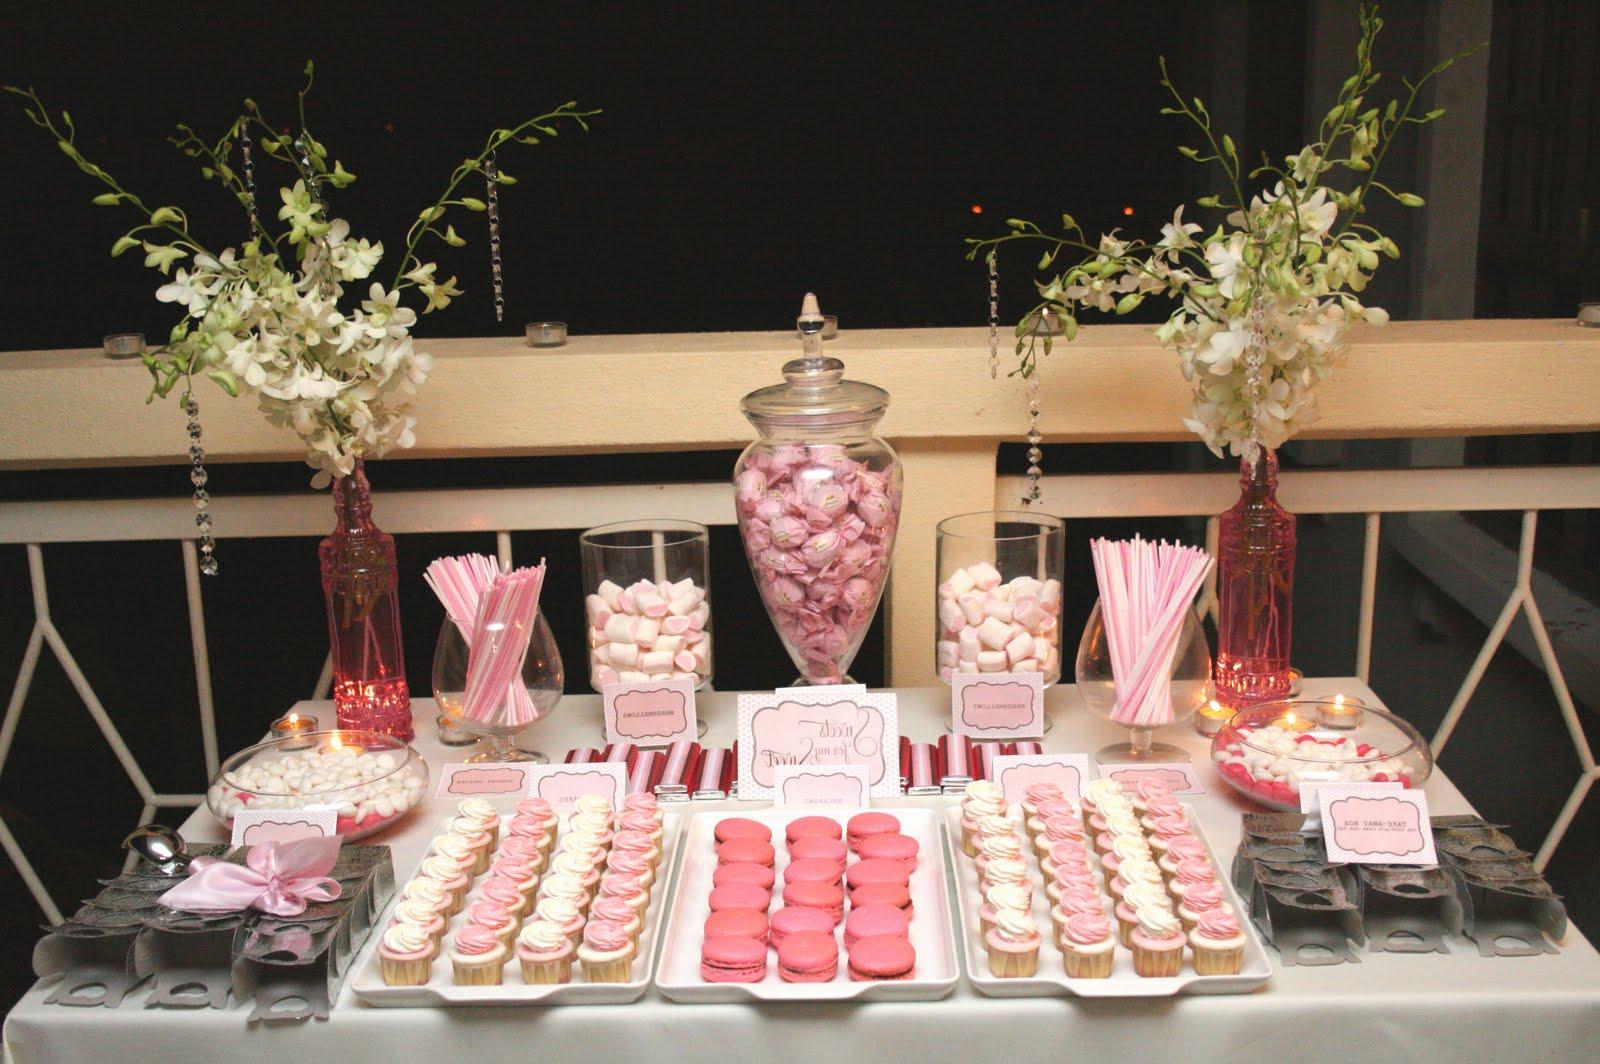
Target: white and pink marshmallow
<point>990,624</point>
<point>648,631</point>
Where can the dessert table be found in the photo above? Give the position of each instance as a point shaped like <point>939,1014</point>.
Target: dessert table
<point>1391,1007</point>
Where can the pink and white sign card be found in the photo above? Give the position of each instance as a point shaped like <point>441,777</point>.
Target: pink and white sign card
<point>1015,773</point>
<point>1312,781</point>
<point>818,726</point>
<point>560,785</point>
<point>836,786</point>
<point>251,826</point>
<point>483,780</point>
<point>1179,775</point>
<point>1367,824</point>
<point>657,713</point>
<point>997,705</point>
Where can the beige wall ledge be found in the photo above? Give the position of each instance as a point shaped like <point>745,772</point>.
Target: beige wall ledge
<point>496,396</point>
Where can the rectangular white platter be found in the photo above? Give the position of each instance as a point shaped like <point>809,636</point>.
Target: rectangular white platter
<point>932,928</point>
<point>441,991</point>
<point>1052,979</point>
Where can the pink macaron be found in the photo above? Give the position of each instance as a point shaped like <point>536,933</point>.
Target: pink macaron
<point>882,957</point>
<point>733,960</point>
<point>895,847</point>
<point>870,921</point>
<point>863,825</point>
<point>812,826</point>
<point>813,870</point>
<point>876,870</point>
<point>825,896</point>
<point>740,896</point>
<point>754,874</point>
<point>808,957</point>
<point>737,923</point>
<point>792,919</point>
<point>818,846</point>
<point>896,894</point>
<point>738,827</point>
<point>745,851</point>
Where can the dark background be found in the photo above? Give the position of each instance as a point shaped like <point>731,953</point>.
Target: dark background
<point>748,152</point>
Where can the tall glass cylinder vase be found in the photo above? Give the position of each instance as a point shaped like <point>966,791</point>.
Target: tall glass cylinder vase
<point>646,602</point>
<point>999,596</point>
<point>360,583</point>
<point>1255,590</point>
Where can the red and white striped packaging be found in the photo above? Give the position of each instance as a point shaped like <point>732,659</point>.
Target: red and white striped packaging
<point>707,780</point>
<point>983,755</point>
<point>1026,747</point>
<point>644,771</point>
<point>583,755</point>
<point>922,765</point>
<point>678,771</point>
<point>625,753</point>
<point>955,756</point>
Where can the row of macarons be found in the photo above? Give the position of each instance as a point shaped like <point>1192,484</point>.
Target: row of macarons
<point>738,931</point>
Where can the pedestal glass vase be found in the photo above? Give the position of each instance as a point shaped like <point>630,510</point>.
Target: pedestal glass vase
<point>542,676</point>
<point>1255,590</point>
<point>359,582</point>
<point>1190,688</point>
<point>818,499</point>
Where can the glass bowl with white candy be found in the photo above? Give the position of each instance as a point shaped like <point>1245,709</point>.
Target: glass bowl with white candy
<point>998,608</point>
<point>1266,751</point>
<point>369,779</point>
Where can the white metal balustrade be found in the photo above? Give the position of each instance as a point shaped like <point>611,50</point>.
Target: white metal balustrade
<point>502,511</point>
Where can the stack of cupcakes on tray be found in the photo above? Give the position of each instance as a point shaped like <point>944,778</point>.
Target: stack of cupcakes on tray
<point>1084,934</point>
<point>738,932</point>
<point>584,900</point>
<point>990,837</point>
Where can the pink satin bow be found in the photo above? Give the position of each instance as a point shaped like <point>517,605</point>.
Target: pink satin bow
<point>277,878</point>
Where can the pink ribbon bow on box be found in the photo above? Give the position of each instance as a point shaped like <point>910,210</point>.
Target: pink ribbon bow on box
<point>277,878</point>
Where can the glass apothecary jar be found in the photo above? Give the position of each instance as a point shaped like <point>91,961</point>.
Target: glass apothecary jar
<point>818,499</point>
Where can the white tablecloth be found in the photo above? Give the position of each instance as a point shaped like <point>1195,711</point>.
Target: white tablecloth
<point>1389,1007</point>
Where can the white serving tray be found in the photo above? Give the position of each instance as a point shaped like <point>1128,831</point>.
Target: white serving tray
<point>1052,979</point>
<point>441,991</point>
<point>932,929</point>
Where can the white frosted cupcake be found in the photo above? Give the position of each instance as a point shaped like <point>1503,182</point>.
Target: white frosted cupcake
<point>405,955</point>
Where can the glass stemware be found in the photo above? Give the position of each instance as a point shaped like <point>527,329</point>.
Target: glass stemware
<point>1190,679</point>
<point>542,676</point>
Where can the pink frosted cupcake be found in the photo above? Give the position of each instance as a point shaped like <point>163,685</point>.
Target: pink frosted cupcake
<point>536,807</point>
<point>504,892</point>
<point>624,887</point>
<point>478,956</point>
<point>538,829</point>
<point>633,864</point>
<point>1088,945</point>
<point>1218,944</point>
<point>1040,792</point>
<point>1189,873</point>
<point>545,952</point>
<point>1013,945</point>
<point>1067,853</point>
<point>1169,850</point>
<point>493,916</point>
<point>516,872</point>
<point>630,841</point>
<point>606,952</point>
<point>528,848</point>
<point>646,824</point>
<point>618,912</point>
<point>1200,899</point>
<point>1168,827</point>
<point>562,913</point>
<point>405,955</point>
<point>1157,942</point>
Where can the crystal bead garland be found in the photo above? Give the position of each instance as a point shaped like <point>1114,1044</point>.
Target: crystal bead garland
<point>202,498</point>
<point>1035,471</point>
<point>994,318</point>
<point>491,175</point>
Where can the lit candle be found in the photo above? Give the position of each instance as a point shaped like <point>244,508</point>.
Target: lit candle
<point>1209,718</point>
<point>1344,712</point>
<point>1291,721</point>
<point>293,725</point>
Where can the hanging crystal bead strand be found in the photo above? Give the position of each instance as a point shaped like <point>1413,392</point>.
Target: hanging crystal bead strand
<point>249,168</point>
<point>202,498</point>
<point>994,317</point>
<point>1035,455</point>
<point>492,198</point>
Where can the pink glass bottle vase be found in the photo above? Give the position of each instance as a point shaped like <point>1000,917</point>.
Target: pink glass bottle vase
<point>1255,589</point>
<point>360,582</point>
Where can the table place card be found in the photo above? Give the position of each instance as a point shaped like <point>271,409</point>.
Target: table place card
<point>655,713</point>
<point>997,705</point>
<point>1015,773</point>
<point>1365,823</point>
<point>838,786</point>
<point>560,785</point>
<point>251,826</point>
<point>483,780</point>
<point>818,726</point>
<point>1310,781</point>
<point>1179,775</point>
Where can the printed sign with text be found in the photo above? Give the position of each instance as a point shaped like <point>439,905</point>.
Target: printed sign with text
<point>656,713</point>
<point>840,786</point>
<point>251,826</point>
<point>1179,775</point>
<point>1312,780</point>
<point>1015,773</point>
<point>483,780</point>
<point>560,785</point>
<point>818,726</point>
<point>997,705</point>
<point>1363,824</point>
